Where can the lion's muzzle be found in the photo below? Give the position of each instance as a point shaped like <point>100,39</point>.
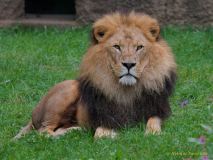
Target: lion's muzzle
<point>128,75</point>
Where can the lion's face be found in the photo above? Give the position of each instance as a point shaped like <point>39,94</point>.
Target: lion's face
<point>127,56</point>
<point>126,50</point>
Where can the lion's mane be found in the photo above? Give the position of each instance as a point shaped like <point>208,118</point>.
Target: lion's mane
<point>112,105</point>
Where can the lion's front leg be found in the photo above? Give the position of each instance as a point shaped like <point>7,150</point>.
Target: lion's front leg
<point>104,132</point>
<point>153,125</point>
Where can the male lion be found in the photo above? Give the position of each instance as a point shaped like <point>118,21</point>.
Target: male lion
<point>126,77</point>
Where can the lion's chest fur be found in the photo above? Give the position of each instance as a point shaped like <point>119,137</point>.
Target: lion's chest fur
<point>109,113</point>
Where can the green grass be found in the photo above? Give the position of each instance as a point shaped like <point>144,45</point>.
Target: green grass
<point>34,59</point>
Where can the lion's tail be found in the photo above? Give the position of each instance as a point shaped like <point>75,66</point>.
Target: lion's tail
<point>24,130</point>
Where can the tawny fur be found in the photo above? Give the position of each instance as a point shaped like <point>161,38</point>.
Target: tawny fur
<point>51,112</point>
<point>156,65</point>
<point>101,67</point>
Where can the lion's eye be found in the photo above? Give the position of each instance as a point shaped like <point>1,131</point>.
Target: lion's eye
<point>117,47</point>
<point>139,47</point>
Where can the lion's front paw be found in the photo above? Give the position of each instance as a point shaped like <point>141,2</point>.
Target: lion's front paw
<point>104,132</point>
<point>153,125</point>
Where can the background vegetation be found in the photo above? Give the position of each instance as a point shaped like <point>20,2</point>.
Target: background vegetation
<point>34,59</point>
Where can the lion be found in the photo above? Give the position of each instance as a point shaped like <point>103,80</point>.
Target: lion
<point>126,77</point>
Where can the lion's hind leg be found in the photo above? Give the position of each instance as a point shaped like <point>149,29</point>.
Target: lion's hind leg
<point>62,131</point>
<point>51,131</point>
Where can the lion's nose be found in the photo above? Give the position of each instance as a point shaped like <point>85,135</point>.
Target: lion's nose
<point>129,65</point>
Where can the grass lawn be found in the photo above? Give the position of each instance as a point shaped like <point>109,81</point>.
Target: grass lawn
<point>34,59</point>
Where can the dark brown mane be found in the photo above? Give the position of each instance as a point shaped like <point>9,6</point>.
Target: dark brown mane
<point>108,113</point>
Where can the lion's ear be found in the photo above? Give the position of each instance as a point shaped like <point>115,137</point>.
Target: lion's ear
<point>154,31</point>
<point>99,33</point>
<point>104,27</point>
<point>149,26</point>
